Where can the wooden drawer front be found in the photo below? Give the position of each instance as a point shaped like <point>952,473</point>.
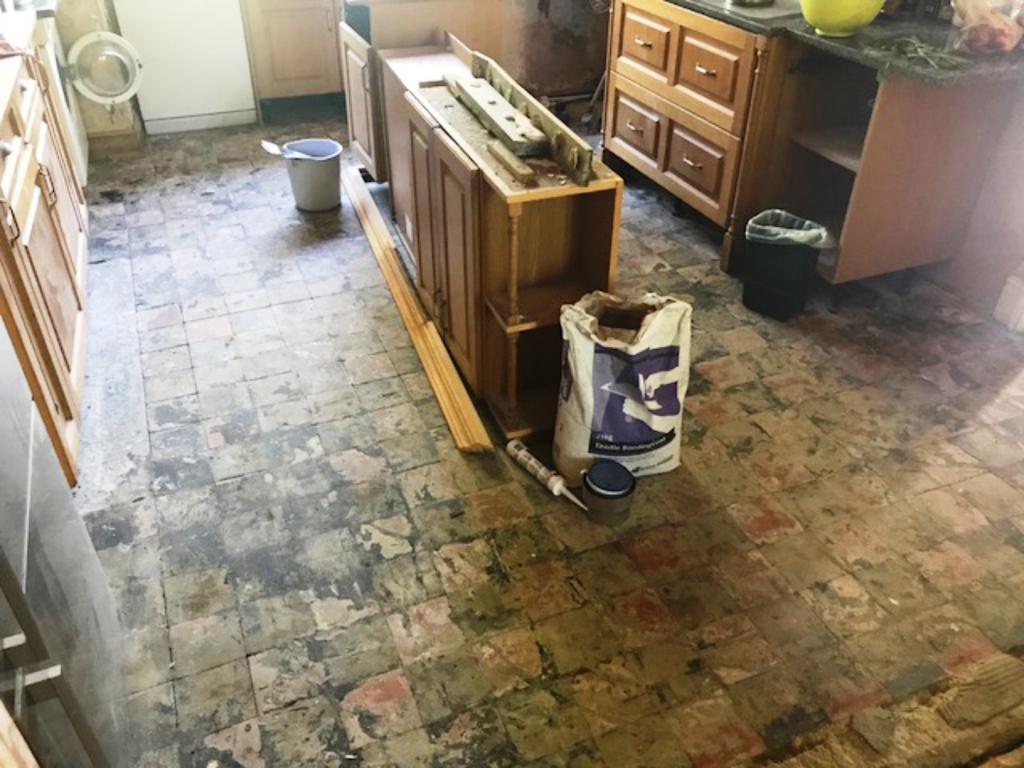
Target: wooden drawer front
<point>637,125</point>
<point>709,67</point>
<point>695,161</point>
<point>646,40</point>
<point>692,158</point>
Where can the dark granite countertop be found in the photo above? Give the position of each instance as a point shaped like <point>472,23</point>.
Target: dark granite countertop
<point>862,46</point>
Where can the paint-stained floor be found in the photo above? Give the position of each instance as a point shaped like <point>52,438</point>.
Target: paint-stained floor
<point>309,574</point>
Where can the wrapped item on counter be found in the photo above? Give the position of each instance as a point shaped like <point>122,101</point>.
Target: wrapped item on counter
<point>984,26</point>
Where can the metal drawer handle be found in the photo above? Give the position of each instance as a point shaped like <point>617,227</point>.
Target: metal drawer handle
<point>634,128</point>
<point>642,43</point>
<point>702,70</point>
<point>696,166</point>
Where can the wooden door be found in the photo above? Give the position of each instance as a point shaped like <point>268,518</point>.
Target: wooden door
<point>61,179</point>
<point>293,45</point>
<point>419,227</point>
<point>456,244</point>
<point>361,102</point>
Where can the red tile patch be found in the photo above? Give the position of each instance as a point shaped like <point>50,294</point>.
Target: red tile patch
<point>544,589</point>
<point>425,631</point>
<point>714,736</point>
<point>842,697</point>
<point>948,565</point>
<point>965,651</point>
<point>380,708</point>
<point>764,520</point>
<point>661,553</point>
<point>639,617</point>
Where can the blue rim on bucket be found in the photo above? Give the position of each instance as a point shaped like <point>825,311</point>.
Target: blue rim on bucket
<point>608,479</point>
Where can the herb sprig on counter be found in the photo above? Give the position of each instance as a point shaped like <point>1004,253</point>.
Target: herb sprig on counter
<point>913,50</point>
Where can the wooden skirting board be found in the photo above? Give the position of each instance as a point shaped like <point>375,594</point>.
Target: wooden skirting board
<point>467,429</point>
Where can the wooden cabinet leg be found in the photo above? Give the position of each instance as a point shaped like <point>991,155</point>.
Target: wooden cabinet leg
<point>514,213</point>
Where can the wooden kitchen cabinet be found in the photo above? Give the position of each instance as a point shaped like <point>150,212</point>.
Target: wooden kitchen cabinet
<point>374,25</point>
<point>43,250</point>
<point>679,89</point>
<point>293,46</point>
<point>453,202</point>
<point>493,260</point>
<point>894,169</point>
<point>359,66</point>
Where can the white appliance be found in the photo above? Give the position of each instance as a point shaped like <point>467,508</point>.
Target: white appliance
<point>194,60</point>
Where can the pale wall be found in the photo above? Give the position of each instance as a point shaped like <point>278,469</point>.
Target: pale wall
<point>994,243</point>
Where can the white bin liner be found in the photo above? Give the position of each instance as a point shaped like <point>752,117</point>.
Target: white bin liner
<point>625,369</point>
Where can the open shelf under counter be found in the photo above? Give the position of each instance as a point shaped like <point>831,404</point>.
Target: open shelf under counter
<point>539,305</point>
<point>840,144</point>
<point>535,412</point>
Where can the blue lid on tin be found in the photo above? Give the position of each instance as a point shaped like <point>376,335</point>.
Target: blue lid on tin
<point>609,479</point>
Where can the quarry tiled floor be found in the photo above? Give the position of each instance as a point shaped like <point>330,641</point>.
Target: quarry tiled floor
<point>309,574</point>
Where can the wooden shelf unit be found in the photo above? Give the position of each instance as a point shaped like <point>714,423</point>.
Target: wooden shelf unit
<point>902,161</point>
<point>535,247</point>
<point>841,144</point>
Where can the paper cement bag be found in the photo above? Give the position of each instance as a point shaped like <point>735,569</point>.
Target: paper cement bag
<point>625,369</point>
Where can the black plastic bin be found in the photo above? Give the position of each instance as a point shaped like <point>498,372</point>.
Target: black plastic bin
<point>778,267</point>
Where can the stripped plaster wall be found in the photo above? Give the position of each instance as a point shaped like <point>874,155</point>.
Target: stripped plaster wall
<point>554,47</point>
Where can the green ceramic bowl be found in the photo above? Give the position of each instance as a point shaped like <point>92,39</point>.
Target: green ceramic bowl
<point>840,18</point>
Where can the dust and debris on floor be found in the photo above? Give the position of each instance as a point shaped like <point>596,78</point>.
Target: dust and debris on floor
<point>309,574</point>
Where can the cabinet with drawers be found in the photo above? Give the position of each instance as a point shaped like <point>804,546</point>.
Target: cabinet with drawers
<point>679,95</point>
<point>43,245</point>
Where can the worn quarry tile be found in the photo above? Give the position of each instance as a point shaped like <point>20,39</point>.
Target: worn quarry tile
<point>380,708</point>
<point>899,587</point>
<point>425,630</point>
<point>948,566</point>
<point>751,579</point>
<point>306,733</point>
<point>887,438</point>
<point>272,621</point>
<point>714,735</point>
<point>577,639</point>
<point>539,724</point>
<point>802,560</point>
<point>740,658</point>
<point>214,699</point>
<point>648,743</point>
<point>509,660</point>
<point>545,589</point>
<point>207,642</point>
<point>197,594</point>
<point>845,606</point>
<point>764,520</point>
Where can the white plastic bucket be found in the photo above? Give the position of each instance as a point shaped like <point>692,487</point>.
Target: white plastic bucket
<point>316,182</point>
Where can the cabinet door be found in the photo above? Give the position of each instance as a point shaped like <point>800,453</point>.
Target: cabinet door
<point>361,101</point>
<point>62,185</point>
<point>420,227</point>
<point>456,242</point>
<point>294,47</point>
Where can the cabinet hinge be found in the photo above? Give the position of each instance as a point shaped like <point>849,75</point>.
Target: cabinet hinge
<point>12,230</point>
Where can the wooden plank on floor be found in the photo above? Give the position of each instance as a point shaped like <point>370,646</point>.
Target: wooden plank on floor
<point>467,429</point>
<point>14,752</point>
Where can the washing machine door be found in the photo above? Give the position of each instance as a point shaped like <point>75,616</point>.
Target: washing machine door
<point>105,68</point>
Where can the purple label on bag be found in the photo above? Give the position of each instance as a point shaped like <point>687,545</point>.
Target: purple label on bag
<point>636,400</point>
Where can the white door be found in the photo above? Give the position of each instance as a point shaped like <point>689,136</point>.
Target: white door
<point>196,63</point>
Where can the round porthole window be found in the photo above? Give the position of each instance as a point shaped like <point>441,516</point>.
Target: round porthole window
<point>105,68</point>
